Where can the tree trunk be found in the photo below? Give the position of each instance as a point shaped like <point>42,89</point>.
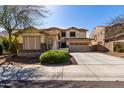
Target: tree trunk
<point>10,43</point>
<point>10,47</point>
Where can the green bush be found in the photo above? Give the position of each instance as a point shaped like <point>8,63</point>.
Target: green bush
<point>119,47</point>
<point>1,49</point>
<point>5,43</point>
<point>54,57</point>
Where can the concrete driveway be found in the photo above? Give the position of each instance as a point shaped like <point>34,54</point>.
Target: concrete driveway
<point>96,58</point>
<point>99,67</point>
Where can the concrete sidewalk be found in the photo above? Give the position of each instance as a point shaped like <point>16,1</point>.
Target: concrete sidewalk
<point>71,72</point>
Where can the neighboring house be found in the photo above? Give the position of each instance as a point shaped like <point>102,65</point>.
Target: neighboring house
<point>98,34</point>
<point>34,41</point>
<point>105,37</point>
<point>114,34</point>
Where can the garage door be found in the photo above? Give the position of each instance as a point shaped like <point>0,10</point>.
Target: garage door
<point>78,47</point>
<point>31,42</point>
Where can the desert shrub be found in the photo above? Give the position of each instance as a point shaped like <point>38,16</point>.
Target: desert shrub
<point>119,47</point>
<point>54,57</point>
<point>1,49</point>
<point>5,44</point>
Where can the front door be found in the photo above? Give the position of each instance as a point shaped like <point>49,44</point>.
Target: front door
<point>63,45</point>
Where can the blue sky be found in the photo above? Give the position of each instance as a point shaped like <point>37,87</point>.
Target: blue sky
<point>82,16</point>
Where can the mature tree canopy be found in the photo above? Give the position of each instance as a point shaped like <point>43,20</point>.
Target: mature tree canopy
<point>16,17</point>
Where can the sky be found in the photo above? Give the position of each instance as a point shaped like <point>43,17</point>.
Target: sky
<point>80,16</point>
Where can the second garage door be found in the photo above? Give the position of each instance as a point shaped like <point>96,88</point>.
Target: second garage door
<point>78,47</point>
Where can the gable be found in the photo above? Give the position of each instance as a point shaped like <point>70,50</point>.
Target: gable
<point>30,30</point>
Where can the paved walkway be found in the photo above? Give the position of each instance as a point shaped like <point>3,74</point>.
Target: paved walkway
<point>92,67</point>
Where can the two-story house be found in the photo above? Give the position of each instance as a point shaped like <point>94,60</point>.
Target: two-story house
<point>34,41</point>
<point>75,39</point>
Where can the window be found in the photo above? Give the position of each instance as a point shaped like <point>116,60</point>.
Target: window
<point>63,45</point>
<point>80,43</point>
<point>72,43</point>
<point>72,34</point>
<point>76,43</point>
<point>98,34</point>
<point>95,37</point>
<point>63,34</point>
<point>85,43</point>
<point>101,32</point>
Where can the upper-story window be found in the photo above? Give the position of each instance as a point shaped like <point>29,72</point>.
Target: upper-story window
<point>63,34</point>
<point>95,37</point>
<point>98,34</point>
<point>72,34</point>
<point>101,32</point>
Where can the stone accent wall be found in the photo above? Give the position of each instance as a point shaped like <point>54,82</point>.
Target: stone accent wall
<point>109,46</point>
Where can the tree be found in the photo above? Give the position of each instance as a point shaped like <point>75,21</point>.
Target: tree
<point>116,20</point>
<point>18,17</point>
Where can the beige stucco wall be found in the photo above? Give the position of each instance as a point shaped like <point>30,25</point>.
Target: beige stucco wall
<point>55,40</point>
<point>42,38</point>
<point>79,34</point>
<point>100,35</point>
<point>20,39</point>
